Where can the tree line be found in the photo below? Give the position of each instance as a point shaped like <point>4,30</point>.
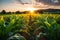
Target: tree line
<point>16,12</point>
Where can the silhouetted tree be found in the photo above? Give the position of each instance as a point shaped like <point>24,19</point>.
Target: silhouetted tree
<point>3,12</point>
<point>17,12</point>
<point>9,13</point>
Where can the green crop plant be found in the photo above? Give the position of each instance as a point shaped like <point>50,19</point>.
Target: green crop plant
<point>10,25</point>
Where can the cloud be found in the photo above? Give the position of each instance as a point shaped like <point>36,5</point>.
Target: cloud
<point>49,2</point>
<point>43,4</point>
<point>24,1</point>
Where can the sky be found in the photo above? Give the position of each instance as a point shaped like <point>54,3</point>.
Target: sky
<point>22,5</point>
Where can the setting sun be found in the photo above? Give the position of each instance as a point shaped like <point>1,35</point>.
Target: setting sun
<point>31,9</point>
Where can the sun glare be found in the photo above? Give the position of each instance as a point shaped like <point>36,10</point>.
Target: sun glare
<point>31,9</point>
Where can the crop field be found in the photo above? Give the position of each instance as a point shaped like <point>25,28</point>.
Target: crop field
<point>30,27</point>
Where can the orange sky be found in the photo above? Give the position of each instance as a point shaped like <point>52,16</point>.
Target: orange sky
<point>15,6</point>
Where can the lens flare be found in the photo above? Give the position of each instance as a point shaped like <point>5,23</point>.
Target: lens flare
<point>31,9</point>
